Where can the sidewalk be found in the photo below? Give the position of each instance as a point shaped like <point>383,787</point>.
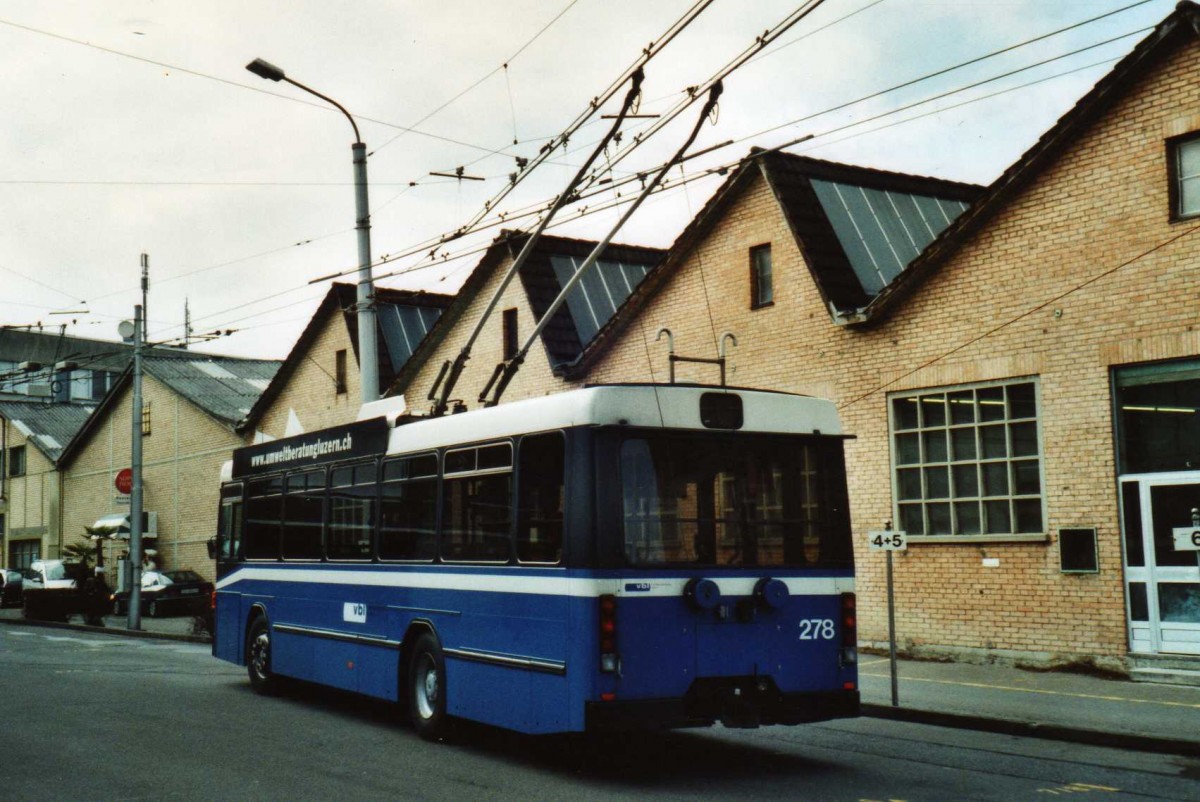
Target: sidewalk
<point>1056,705</point>
<point>165,628</point>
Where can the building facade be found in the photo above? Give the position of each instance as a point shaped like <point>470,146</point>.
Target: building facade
<point>1021,378</point>
<point>191,408</point>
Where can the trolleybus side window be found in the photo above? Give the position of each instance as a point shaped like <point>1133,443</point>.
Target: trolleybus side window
<point>303,505</point>
<point>351,512</point>
<point>540,500</point>
<point>264,505</point>
<point>732,502</point>
<point>477,504</point>
<point>229,535</point>
<point>408,509</point>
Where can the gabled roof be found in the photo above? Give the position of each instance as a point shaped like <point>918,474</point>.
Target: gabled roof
<point>1180,27</point>
<point>223,387</point>
<point>47,427</point>
<point>858,229</point>
<point>404,318</point>
<point>598,296</point>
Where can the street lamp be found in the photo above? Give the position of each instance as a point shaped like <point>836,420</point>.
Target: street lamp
<point>368,351</point>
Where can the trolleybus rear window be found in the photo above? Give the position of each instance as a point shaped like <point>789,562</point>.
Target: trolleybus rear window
<point>734,502</point>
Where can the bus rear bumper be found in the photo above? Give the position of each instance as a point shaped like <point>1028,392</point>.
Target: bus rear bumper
<point>725,701</point>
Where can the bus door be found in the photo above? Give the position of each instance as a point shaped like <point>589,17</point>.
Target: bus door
<point>225,549</point>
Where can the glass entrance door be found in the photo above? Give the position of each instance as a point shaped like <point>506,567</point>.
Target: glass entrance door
<point>1164,584</point>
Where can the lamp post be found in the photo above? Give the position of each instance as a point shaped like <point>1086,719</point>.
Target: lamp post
<point>367,348</point>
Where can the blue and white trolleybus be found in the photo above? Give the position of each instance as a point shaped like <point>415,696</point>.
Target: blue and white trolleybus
<point>610,557</point>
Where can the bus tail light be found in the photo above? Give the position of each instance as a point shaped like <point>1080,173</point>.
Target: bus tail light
<point>849,629</point>
<point>609,661</point>
<point>213,601</point>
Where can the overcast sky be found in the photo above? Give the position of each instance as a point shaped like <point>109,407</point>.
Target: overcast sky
<point>133,127</point>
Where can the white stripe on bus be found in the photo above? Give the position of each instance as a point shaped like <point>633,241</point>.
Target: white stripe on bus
<point>584,587</point>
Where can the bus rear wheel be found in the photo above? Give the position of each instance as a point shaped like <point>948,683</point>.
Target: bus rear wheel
<point>427,689</point>
<point>258,658</point>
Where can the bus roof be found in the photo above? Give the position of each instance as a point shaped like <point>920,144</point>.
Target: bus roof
<point>652,406</point>
<point>675,407</point>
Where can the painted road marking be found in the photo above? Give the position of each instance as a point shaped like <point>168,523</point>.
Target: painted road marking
<point>1189,705</point>
<point>1076,788</point>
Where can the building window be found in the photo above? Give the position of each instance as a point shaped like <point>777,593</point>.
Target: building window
<point>339,371</point>
<point>22,553</point>
<point>762,284</point>
<point>1158,428</point>
<point>967,461</point>
<point>1185,177</point>
<point>16,461</point>
<point>99,385</point>
<point>145,419</point>
<point>510,333</point>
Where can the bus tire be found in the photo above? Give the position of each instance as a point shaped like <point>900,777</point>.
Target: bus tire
<point>258,658</point>
<point>427,689</point>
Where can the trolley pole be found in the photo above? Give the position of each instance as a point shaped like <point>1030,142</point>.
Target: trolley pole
<point>889,541</point>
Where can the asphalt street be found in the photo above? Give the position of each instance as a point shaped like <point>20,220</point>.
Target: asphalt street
<point>102,717</point>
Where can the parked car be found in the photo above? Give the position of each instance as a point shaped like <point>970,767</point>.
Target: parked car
<point>11,582</point>
<point>51,575</point>
<point>168,593</point>
<point>50,592</point>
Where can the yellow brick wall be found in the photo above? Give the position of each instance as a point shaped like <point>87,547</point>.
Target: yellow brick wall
<point>534,378</point>
<point>310,391</point>
<point>31,502</point>
<point>182,461</point>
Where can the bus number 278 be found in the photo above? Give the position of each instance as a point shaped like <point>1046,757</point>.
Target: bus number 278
<point>816,629</point>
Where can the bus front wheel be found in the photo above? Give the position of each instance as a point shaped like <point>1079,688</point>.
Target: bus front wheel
<point>258,658</point>
<point>427,689</point>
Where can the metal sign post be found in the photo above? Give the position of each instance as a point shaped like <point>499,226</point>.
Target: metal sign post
<point>889,541</point>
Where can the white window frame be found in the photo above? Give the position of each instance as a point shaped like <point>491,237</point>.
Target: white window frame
<point>978,460</point>
<point>1176,148</point>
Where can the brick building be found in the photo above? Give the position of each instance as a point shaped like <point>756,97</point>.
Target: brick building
<point>318,383</point>
<point>32,437</point>
<point>1022,377</point>
<point>522,303</point>
<point>190,412</point>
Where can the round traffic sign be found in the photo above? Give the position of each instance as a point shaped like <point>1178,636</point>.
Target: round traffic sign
<point>123,481</point>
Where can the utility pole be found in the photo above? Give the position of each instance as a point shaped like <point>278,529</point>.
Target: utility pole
<point>145,296</point>
<point>135,496</point>
<point>187,325</point>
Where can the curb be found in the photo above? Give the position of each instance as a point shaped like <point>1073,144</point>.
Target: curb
<point>1033,729</point>
<point>128,633</point>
